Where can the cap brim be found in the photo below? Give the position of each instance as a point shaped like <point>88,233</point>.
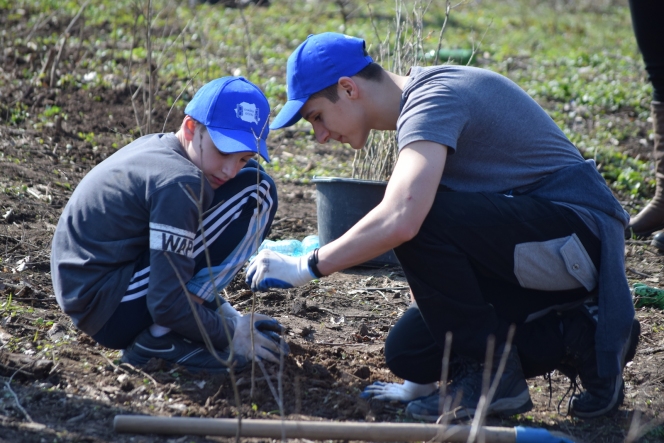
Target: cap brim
<point>230,141</point>
<point>289,114</point>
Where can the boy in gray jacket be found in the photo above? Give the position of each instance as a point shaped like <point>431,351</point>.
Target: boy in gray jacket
<point>138,226</point>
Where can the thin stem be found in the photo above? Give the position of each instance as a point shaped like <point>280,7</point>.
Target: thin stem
<point>148,44</point>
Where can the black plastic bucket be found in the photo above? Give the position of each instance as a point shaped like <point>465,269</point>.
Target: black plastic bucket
<point>342,202</point>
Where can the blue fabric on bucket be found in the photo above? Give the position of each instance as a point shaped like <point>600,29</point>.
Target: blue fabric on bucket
<point>537,435</point>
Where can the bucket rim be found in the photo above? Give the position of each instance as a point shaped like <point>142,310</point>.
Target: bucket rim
<point>317,180</point>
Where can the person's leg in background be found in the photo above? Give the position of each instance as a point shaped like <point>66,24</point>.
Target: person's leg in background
<point>647,18</point>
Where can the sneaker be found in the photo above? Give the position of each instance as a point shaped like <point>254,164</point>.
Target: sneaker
<point>658,241</point>
<point>174,349</point>
<point>601,394</point>
<point>511,397</point>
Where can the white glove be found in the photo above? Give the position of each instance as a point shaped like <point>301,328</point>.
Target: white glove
<point>268,344</point>
<point>394,391</point>
<point>273,270</point>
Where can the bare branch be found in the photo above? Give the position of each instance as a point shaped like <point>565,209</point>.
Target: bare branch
<point>64,37</point>
<point>18,402</point>
<point>148,47</point>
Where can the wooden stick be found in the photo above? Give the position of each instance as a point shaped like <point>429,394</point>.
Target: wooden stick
<point>313,430</point>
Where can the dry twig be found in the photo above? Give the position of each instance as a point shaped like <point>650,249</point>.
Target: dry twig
<point>134,368</point>
<point>148,44</point>
<point>63,38</point>
<point>18,402</point>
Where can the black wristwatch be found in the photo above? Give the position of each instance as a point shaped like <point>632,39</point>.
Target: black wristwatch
<point>313,263</point>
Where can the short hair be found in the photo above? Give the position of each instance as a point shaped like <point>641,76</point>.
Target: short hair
<point>201,125</point>
<point>372,72</point>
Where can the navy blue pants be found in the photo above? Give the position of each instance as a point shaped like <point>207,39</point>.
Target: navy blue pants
<point>465,273</point>
<point>132,315</point>
<point>647,17</point>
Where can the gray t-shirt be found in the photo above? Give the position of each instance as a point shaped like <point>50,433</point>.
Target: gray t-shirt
<point>133,202</point>
<point>500,139</point>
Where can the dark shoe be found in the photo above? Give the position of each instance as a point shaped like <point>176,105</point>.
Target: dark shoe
<point>602,394</point>
<point>651,218</point>
<point>658,241</point>
<point>580,339</point>
<point>608,395</point>
<point>175,349</point>
<point>511,397</point>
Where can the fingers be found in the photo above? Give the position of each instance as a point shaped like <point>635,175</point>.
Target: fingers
<point>257,267</point>
<point>372,389</point>
<point>262,271</point>
<point>266,354</point>
<point>268,344</point>
<point>276,343</point>
<point>272,335</point>
<point>267,324</point>
<point>256,275</point>
<point>251,270</point>
<point>272,329</point>
<point>405,392</point>
<point>383,391</point>
<point>269,348</point>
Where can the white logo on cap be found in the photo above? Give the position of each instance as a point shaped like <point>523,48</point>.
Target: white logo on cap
<point>248,112</point>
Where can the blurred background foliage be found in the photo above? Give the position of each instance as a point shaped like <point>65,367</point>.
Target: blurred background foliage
<point>577,58</point>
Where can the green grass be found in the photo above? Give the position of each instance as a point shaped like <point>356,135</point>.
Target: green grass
<point>580,62</point>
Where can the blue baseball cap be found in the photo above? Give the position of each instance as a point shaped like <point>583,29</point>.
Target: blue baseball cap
<point>235,113</point>
<point>320,61</point>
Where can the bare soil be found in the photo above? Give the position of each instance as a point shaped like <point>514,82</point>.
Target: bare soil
<point>336,328</point>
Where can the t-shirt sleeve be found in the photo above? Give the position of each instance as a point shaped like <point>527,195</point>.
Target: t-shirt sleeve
<point>432,112</point>
<point>173,229</point>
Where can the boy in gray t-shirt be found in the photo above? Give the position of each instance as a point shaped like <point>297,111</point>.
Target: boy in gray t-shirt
<point>138,225</point>
<point>496,220</point>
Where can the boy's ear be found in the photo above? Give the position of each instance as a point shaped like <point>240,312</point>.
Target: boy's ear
<point>348,87</point>
<point>188,128</point>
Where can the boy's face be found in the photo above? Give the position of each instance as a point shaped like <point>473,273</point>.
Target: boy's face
<point>343,121</point>
<point>218,167</point>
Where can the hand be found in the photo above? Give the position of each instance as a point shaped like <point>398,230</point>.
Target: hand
<point>405,392</point>
<point>273,270</point>
<point>268,344</point>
